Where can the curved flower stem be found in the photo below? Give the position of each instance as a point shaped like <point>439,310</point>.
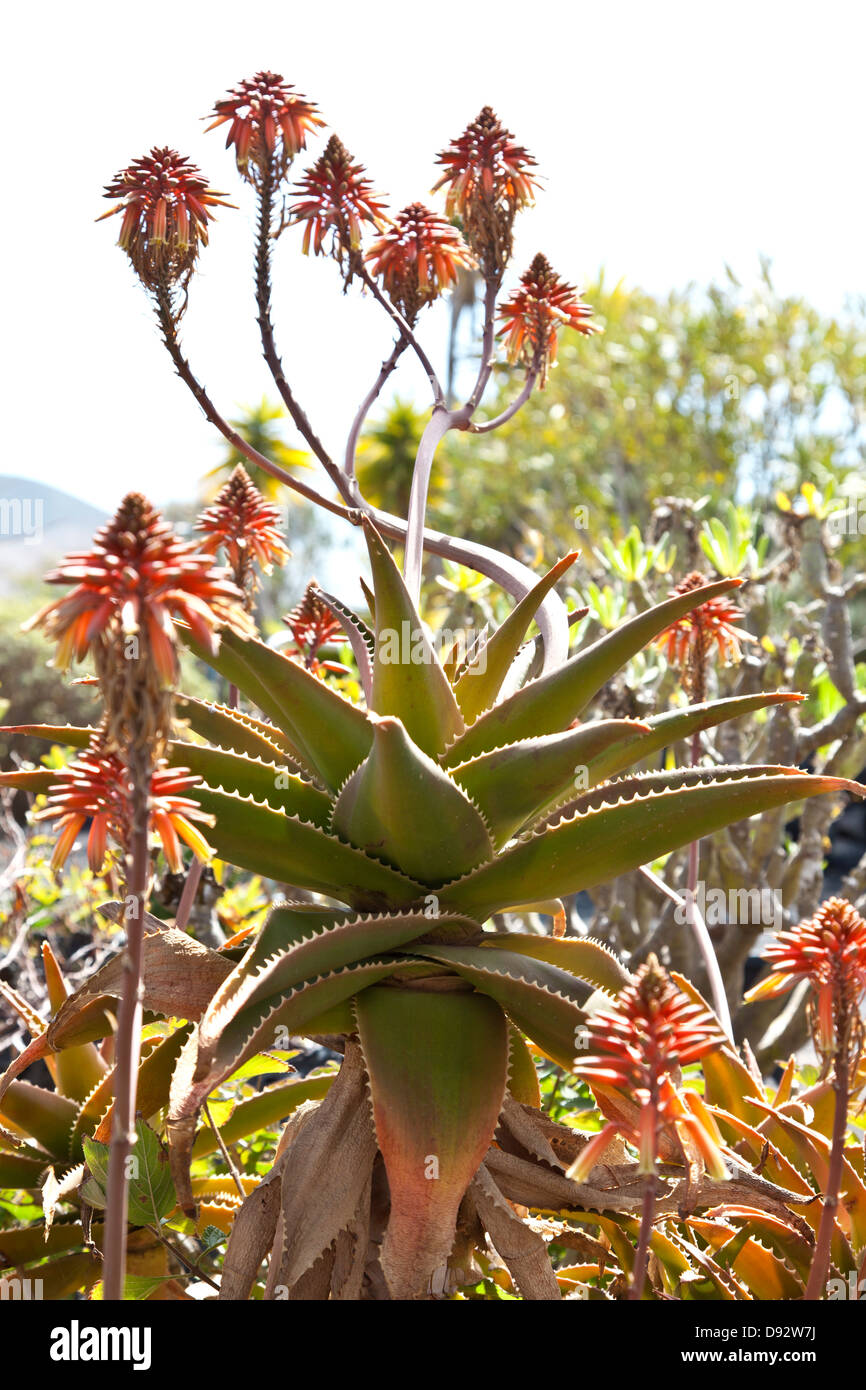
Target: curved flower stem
<point>438,426</point>
<point>491,290</point>
<point>367,404</point>
<point>184,371</point>
<point>266,329</point>
<point>405,332</point>
<point>128,1037</point>
<point>510,411</point>
<point>514,577</point>
<point>819,1270</point>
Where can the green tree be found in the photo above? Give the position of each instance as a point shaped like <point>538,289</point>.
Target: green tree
<point>728,391</point>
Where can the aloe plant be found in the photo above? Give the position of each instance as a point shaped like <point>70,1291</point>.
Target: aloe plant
<point>457,791</point>
<point>420,818</point>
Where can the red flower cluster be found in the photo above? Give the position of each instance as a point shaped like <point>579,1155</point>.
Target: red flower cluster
<point>417,258</point>
<point>246,527</point>
<point>488,180</point>
<point>97,787</point>
<point>313,626</point>
<point>828,950</point>
<point>532,317</point>
<point>690,641</point>
<point>270,122</point>
<point>336,198</point>
<point>139,577</point>
<point>166,205</point>
<point>637,1046</point>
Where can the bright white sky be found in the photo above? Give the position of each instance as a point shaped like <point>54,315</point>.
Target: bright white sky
<point>673,137</point>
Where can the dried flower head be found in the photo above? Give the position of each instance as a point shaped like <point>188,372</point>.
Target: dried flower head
<point>533,315</point>
<point>689,642</point>
<point>337,199</point>
<point>417,258</point>
<point>829,950</point>
<point>637,1047</point>
<point>247,528</point>
<point>313,626</point>
<point>98,787</point>
<point>488,181</point>
<point>166,205</point>
<point>270,123</point>
<point>126,593</point>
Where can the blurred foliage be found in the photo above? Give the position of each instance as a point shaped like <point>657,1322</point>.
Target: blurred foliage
<point>36,692</point>
<point>261,426</point>
<point>729,392</point>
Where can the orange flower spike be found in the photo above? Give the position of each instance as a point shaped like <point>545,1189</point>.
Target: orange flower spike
<point>96,787</point>
<point>829,950</point>
<point>247,528</point>
<point>336,198</point>
<point>710,629</point>
<point>533,315</point>
<point>166,202</point>
<point>417,259</point>
<point>313,626</point>
<point>139,574</point>
<point>270,123</point>
<point>488,180</point>
<point>650,1031</point>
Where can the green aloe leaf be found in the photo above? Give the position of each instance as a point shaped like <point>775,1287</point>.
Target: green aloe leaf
<point>268,842</point>
<point>541,999</point>
<point>260,1027</point>
<point>271,1107</point>
<point>43,1115</point>
<point>550,703</point>
<point>408,679</point>
<point>588,960</point>
<point>329,734</point>
<point>233,730</point>
<point>280,960</point>
<point>479,684</point>
<point>670,728</point>
<point>512,784</point>
<point>613,836</point>
<point>264,781</point>
<point>437,1064</point>
<point>400,806</point>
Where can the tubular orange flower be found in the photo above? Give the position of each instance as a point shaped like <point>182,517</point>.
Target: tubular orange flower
<point>690,641</point>
<point>829,950</point>
<point>313,626</point>
<point>97,787</point>
<point>336,198</point>
<point>270,121</point>
<point>417,259</point>
<point>247,528</point>
<point>637,1046</point>
<point>488,180</point>
<point>136,580</point>
<point>166,205</point>
<point>532,317</point>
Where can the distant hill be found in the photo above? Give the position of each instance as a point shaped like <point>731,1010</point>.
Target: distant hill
<point>38,524</point>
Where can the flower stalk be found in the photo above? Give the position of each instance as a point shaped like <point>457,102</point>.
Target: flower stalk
<point>828,950</point>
